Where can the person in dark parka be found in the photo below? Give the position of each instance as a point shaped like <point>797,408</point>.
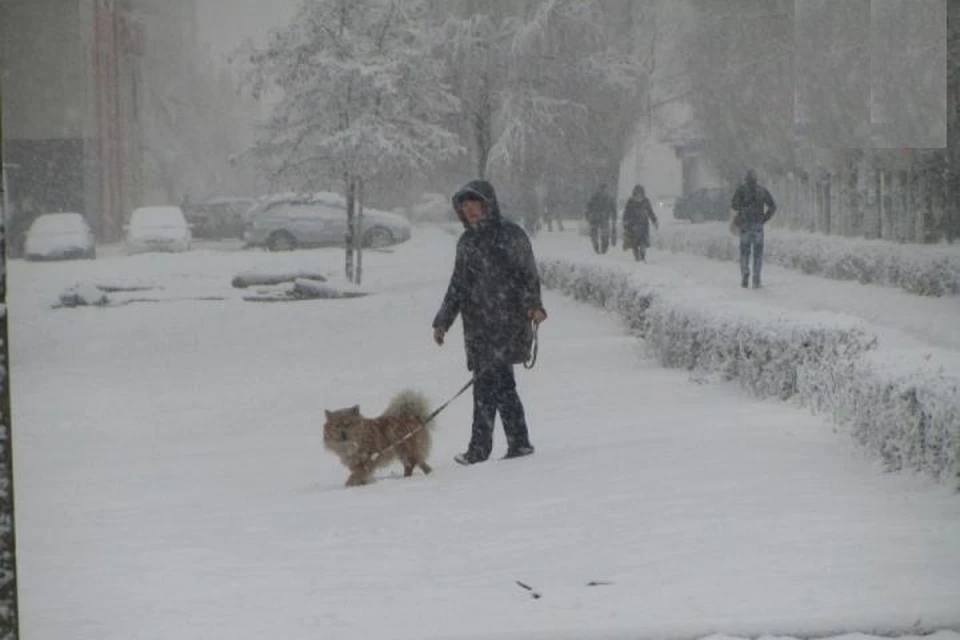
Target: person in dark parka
<point>637,216</point>
<point>495,288</point>
<point>754,206</point>
<point>602,218</point>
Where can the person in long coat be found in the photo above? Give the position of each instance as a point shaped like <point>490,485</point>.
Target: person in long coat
<point>637,216</point>
<point>495,289</point>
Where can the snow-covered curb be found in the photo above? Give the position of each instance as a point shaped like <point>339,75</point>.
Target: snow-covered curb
<point>922,270</point>
<point>902,406</point>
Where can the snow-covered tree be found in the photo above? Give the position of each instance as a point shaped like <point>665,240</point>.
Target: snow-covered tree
<point>832,70</point>
<point>740,68</point>
<point>908,56</point>
<point>476,40</point>
<point>551,89</point>
<point>360,97</point>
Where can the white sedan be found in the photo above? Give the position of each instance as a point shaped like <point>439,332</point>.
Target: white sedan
<point>158,229</point>
<point>60,236</point>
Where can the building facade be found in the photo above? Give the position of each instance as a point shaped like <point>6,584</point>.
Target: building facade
<point>73,79</point>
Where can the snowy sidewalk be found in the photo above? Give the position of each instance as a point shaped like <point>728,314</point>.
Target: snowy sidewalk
<point>903,319</point>
<point>172,484</point>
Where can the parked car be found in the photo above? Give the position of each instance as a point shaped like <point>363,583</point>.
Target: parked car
<point>291,197</point>
<point>429,207</point>
<point>284,226</point>
<point>60,236</point>
<point>158,229</point>
<point>710,203</point>
<point>218,218</point>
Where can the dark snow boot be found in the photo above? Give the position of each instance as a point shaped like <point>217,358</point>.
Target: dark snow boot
<point>745,281</point>
<point>518,452</point>
<point>468,458</point>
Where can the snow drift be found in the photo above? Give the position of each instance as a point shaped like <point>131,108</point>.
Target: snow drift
<point>903,406</point>
<point>922,270</point>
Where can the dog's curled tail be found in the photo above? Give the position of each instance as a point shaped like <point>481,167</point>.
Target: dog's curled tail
<point>409,403</point>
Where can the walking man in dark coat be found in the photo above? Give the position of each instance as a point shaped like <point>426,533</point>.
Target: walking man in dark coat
<point>495,288</point>
<point>602,218</point>
<point>637,216</point>
<point>754,206</point>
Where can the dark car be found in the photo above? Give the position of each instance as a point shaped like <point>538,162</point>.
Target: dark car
<point>219,219</point>
<point>709,203</point>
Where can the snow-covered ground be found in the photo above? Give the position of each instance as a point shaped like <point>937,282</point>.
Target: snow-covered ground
<point>905,319</point>
<point>928,270</point>
<point>171,481</point>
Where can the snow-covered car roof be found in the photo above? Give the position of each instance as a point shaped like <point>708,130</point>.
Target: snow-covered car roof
<point>59,223</point>
<point>330,203</point>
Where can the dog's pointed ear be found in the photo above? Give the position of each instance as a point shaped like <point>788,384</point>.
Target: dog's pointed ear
<point>355,409</point>
<point>328,414</point>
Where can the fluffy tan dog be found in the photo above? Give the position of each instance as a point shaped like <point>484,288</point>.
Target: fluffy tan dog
<point>398,433</point>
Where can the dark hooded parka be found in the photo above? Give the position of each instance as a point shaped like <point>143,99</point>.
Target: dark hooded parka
<point>494,286</point>
<point>637,216</point>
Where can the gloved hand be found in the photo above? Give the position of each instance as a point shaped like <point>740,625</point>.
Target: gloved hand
<point>537,316</point>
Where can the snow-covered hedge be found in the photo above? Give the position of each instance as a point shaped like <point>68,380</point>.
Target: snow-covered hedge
<point>922,270</point>
<point>905,407</point>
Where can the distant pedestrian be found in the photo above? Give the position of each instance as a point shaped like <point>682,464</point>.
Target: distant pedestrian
<point>601,216</point>
<point>551,214</point>
<point>637,216</point>
<point>754,206</point>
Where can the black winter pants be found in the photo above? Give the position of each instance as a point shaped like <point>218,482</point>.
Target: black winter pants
<point>600,237</point>
<point>495,390</point>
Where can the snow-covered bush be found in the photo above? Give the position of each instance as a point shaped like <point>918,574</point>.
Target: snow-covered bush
<point>905,408</point>
<point>312,289</point>
<point>908,414</point>
<point>922,270</point>
<point>83,295</point>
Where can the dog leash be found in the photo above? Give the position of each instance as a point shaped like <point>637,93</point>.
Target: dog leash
<point>527,364</point>
<point>533,352</point>
<point>393,445</point>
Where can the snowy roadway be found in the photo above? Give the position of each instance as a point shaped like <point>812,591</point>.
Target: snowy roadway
<point>171,481</point>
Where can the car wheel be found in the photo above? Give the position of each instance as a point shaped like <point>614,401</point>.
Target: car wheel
<point>377,237</point>
<point>281,241</point>
<point>696,217</point>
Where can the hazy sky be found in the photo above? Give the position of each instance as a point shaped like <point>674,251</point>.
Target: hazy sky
<point>225,24</point>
